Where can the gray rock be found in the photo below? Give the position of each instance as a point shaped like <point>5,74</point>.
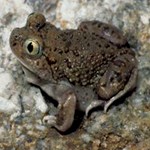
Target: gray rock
<point>124,126</point>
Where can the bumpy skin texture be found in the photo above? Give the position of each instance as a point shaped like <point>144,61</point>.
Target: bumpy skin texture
<point>81,69</point>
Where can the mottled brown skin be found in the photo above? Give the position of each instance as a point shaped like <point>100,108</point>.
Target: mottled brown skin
<point>81,69</point>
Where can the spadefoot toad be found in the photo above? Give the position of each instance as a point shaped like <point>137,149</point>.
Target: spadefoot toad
<point>81,69</point>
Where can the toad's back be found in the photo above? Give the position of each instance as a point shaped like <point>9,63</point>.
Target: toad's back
<point>81,57</point>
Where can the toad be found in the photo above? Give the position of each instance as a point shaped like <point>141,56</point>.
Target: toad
<point>84,68</point>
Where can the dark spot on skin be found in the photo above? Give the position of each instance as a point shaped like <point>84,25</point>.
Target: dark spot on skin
<point>93,33</point>
<point>107,45</point>
<point>68,63</point>
<point>106,29</point>
<point>94,22</point>
<point>59,51</point>
<point>37,63</point>
<point>64,39</point>
<point>88,44</point>
<point>66,50</point>
<point>75,52</point>
<point>16,36</point>
<point>99,46</point>
<point>99,25</point>
<point>112,32</point>
<point>85,37</point>
<point>86,94</point>
<point>55,49</point>
<point>85,27</point>
<point>14,44</point>
<point>93,38</point>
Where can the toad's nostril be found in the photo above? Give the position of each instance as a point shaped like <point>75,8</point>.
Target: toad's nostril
<point>14,44</point>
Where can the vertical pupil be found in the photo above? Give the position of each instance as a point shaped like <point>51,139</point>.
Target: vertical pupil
<point>30,47</point>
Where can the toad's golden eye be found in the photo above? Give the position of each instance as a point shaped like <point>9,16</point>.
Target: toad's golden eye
<point>32,47</point>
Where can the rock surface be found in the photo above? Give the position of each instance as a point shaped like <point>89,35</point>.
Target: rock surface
<point>125,126</point>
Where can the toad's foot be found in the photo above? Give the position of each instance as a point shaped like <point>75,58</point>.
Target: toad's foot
<point>66,111</point>
<point>49,120</point>
<point>94,104</point>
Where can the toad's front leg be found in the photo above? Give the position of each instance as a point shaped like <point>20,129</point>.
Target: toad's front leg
<point>64,94</point>
<point>63,120</point>
<point>66,99</point>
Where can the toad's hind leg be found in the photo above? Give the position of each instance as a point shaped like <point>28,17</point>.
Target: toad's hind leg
<point>63,93</point>
<point>128,87</point>
<point>101,103</point>
<point>94,104</point>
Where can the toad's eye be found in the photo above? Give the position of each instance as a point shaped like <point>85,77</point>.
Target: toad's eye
<point>32,47</point>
